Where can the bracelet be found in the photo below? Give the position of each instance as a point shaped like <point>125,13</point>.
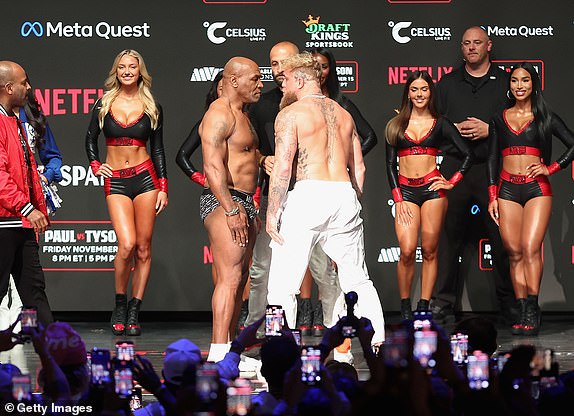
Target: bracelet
<point>233,212</point>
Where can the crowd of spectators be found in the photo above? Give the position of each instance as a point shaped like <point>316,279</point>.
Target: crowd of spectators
<point>522,381</point>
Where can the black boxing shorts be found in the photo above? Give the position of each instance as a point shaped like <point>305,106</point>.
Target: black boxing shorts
<point>209,203</point>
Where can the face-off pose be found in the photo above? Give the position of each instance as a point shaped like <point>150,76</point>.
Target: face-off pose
<point>229,147</point>
<point>469,96</point>
<point>316,139</point>
<point>520,192</point>
<point>22,205</point>
<point>135,181</point>
<point>418,188</point>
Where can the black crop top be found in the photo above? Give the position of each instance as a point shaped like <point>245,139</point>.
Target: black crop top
<point>502,136</point>
<point>140,131</point>
<point>441,133</point>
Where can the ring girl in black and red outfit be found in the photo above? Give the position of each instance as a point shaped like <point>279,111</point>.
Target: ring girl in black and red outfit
<point>414,136</point>
<point>519,190</point>
<point>135,181</point>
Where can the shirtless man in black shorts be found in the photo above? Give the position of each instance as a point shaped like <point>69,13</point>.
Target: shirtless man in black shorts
<point>230,154</point>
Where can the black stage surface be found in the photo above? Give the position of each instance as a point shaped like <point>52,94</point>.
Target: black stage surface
<point>557,332</point>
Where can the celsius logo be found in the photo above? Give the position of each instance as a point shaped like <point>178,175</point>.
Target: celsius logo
<point>29,28</point>
<point>102,30</point>
<point>254,34</point>
<point>402,32</point>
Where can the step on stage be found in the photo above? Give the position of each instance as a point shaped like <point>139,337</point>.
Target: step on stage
<point>557,333</point>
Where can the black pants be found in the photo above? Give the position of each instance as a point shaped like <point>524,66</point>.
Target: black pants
<point>473,189</point>
<point>19,256</point>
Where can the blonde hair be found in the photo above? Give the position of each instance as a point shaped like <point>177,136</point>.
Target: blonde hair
<point>303,63</point>
<point>113,86</point>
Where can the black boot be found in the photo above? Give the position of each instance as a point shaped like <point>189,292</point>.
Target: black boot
<point>243,314</point>
<point>305,316</point>
<point>406,309</point>
<point>133,326</point>
<point>318,327</point>
<point>518,327</point>
<point>119,315</point>
<point>532,322</point>
<point>423,305</point>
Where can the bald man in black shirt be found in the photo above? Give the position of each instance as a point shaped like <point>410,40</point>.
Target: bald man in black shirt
<point>469,96</point>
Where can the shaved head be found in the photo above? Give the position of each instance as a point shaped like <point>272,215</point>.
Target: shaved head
<point>14,85</point>
<point>242,80</point>
<point>278,53</point>
<point>7,71</point>
<point>238,65</point>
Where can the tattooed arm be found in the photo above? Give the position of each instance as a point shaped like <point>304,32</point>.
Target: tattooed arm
<point>215,129</point>
<point>285,149</point>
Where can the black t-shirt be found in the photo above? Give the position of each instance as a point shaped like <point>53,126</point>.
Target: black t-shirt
<point>460,95</point>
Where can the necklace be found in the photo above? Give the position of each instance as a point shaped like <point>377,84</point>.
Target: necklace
<point>313,96</point>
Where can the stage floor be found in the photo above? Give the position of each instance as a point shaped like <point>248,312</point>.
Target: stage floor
<point>557,332</point>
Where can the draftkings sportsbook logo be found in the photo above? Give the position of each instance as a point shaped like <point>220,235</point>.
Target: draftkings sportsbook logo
<point>327,35</point>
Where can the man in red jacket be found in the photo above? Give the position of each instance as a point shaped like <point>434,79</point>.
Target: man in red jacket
<point>22,205</point>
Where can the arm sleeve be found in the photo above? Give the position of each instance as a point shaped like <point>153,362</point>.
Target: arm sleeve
<point>393,171</point>
<point>92,138</point>
<point>560,130</point>
<point>157,153</point>
<point>450,132</point>
<point>188,147</point>
<point>493,160</point>
<point>367,135</point>
<point>51,157</point>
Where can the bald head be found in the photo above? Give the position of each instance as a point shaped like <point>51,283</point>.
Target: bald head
<point>278,53</point>
<point>7,69</point>
<point>476,47</point>
<point>238,65</point>
<point>242,79</point>
<point>14,85</point>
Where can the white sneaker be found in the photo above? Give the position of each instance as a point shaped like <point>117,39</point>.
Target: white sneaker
<point>343,357</point>
<point>249,365</point>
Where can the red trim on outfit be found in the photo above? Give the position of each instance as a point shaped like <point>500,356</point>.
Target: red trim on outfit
<point>521,150</point>
<point>516,179</point>
<point>95,165</point>
<point>456,178</point>
<point>510,127</point>
<point>124,141</point>
<point>123,124</point>
<point>553,168</point>
<point>492,193</point>
<point>418,150</point>
<point>422,139</point>
<point>397,195</point>
<point>403,180</point>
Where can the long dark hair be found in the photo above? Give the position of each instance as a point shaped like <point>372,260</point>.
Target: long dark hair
<point>212,93</point>
<point>332,81</point>
<point>396,127</point>
<point>35,117</point>
<point>540,109</point>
